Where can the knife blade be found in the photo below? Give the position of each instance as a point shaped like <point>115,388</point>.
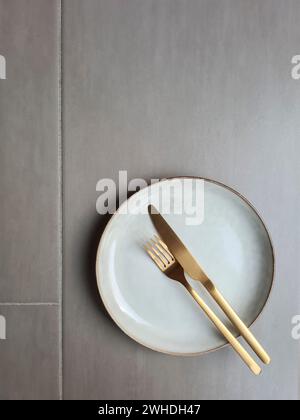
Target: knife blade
<point>176,246</point>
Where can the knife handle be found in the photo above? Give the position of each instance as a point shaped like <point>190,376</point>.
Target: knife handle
<point>238,323</point>
<point>250,362</point>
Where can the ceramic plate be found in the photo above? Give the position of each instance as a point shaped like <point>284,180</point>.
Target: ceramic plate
<point>226,236</point>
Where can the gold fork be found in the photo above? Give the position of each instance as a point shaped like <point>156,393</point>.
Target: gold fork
<point>161,255</point>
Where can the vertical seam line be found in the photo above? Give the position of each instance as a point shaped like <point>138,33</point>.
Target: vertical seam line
<point>60,202</point>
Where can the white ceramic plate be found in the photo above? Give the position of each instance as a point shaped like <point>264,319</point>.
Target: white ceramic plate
<point>231,244</point>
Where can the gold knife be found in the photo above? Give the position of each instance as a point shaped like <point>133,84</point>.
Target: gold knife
<point>193,269</point>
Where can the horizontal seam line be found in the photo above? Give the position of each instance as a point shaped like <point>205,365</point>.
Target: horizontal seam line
<point>29,304</point>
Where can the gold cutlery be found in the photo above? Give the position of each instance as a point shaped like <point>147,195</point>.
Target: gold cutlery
<point>193,269</point>
<point>163,258</point>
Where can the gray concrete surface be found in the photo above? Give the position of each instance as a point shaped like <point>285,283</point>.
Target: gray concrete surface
<point>29,196</point>
<point>29,355</point>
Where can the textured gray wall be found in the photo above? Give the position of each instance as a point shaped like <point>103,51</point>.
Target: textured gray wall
<point>29,199</point>
<point>158,88</point>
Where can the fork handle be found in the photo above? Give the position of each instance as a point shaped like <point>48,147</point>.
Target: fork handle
<point>239,324</point>
<point>250,362</point>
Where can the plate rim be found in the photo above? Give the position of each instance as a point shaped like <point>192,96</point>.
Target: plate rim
<point>139,341</point>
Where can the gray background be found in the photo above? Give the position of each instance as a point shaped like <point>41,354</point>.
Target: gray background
<point>158,88</point>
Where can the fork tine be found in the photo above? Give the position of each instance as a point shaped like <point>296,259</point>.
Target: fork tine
<point>164,250</point>
<point>156,259</point>
<point>157,238</point>
<point>159,252</point>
